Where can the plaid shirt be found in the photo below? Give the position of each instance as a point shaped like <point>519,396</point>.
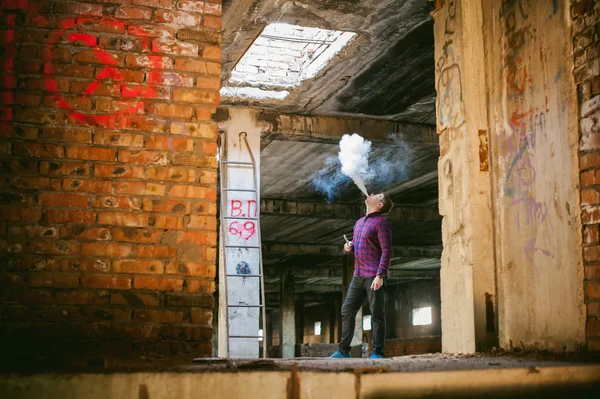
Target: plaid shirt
<point>372,245</point>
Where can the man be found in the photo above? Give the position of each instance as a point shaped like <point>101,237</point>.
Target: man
<point>372,249</point>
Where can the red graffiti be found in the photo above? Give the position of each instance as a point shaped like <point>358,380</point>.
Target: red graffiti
<point>108,74</point>
<point>244,231</point>
<point>239,210</point>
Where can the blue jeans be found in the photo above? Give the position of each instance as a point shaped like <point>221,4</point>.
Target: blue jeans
<point>359,290</point>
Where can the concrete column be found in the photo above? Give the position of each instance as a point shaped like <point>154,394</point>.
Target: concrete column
<point>299,322</point>
<point>287,304</point>
<point>468,286</point>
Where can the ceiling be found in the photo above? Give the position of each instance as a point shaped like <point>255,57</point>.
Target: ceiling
<point>386,72</point>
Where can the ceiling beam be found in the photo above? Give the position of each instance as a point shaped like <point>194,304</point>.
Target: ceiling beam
<point>323,210</point>
<point>331,129</point>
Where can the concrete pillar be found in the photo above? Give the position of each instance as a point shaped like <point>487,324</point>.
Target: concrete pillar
<point>287,304</point>
<point>468,263</point>
<point>299,322</point>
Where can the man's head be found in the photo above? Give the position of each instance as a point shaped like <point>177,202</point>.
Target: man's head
<point>379,203</point>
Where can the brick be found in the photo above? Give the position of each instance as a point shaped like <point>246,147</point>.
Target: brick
<point>171,174</point>
<point>151,31</point>
<point>590,196</point>
<point>208,131</point>
<point>116,202</point>
<point>38,150</point>
<point>138,235</point>
<point>106,282</point>
<point>53,247</point>
<point>172,110</point>
<point>173,47</point>
<point>208,177</point>
<point>193,192</point>
<point>149,61</point>
<point>164,78</point>
<point>213,8</point>
<point>40,280</point>
<point>105,25</point>
<point>146,92</point>
<point>66,134</point>
<point>167,222</point>
<point>132,332</point>
<point>186,333</point>
<point>31,100</point>
<point>78,216</point>
<point>85,233</point>
<point>201,316</point>
<point>194,269</point>
<point>590,160</point>
<point>203,223</point>
<point>208,148</point>
<point>118,106</point>
<point>66,281</point>
<point>118,170</point>
<point>155,251</point>
<point>198,301</point>
<point>197,66</point>
<point>96,89</point>
<point>142,123</point>
<point>590,215</point>
<point>140,188</point>
<point>192,6</point>
<point>20,214</point>
<point>123,219</point>
<point>91,153</point>
<point>133,13</point>
<point>150,266</point>
<point>169,143</point>
<point>145,157</point>
<point>73,102</point>
<point>134,298</point>
<point>198,238</point>
<point>82,297</point>
<point>95,57</point>
<point>178,18</point>
<point>169,206</point>
<point>106,249</point>
<point>592,272</point>
<point>593,309</point>
<point>55,168</point>
<point>593,290</point>
<point>158,316</point>
<point>63,200</point>
<point>119,139</point>
<point>70,70</point>
<point>122,75</point>
<point>196,96</point>
<point>77,8</point>
<point>590,235</point>
<point>209,83</point>
<point>158,283</point>
<point>212,22</point>
<point>87,185</point>
<point>153,3</point>
<point>34,183</point>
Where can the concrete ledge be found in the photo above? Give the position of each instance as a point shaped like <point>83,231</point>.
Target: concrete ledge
<point>365,382</point>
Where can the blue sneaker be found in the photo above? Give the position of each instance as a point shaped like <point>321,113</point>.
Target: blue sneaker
<point>375,355</point>
<point>339,355</point>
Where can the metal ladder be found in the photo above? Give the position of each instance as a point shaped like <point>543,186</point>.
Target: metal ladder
<point>223,164</point>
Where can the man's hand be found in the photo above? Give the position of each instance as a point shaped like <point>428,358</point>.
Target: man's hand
<point>377,283</point>
<point>348,246</point>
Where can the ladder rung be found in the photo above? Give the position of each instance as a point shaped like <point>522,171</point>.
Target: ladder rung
<point>244,275</point>
<point>241,190</point>
<point>237,163</point>
<point>242,246</point>
<point>246,336</point>
<point>244,306</point>
<point>238,218</point>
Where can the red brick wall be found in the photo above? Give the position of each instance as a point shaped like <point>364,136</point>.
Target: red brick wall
<point>586,48</point>
<point>108,176</point>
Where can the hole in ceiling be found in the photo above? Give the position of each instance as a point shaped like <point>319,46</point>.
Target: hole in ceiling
<point>283,56</point>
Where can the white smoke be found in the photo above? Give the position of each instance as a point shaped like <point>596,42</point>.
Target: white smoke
<point>354,157</point>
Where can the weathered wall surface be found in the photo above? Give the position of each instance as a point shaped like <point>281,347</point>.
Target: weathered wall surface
<point>107,176</point>
<point>468,291</point>
<point>586,16</point>
<point>534,142</point>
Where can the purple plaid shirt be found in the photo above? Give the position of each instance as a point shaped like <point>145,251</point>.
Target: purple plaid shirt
<point>372,245</point>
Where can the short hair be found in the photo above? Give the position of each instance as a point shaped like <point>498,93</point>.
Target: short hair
<point>387,204</point>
